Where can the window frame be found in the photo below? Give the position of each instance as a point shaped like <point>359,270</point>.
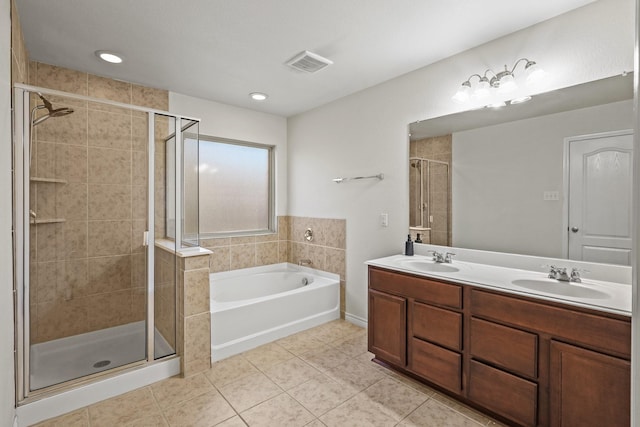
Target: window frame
<point>271,156</point>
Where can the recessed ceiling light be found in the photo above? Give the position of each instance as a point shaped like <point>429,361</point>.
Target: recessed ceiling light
<point>258,96</point>
<point>108,56</point>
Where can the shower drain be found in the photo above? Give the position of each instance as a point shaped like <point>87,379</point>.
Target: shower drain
<point>102,363</point>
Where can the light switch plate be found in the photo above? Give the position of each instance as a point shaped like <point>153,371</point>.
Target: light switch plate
<point>384,219</point>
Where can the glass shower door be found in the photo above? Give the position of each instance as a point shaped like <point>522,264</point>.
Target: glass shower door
<point>87,262</point>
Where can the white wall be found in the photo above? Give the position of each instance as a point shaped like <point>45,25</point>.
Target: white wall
<point>225,121</point>
<point>7,396</point>
<point>500,172</point>
<point>366,133</point>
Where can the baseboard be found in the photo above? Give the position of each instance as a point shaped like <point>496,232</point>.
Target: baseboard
<point>356,320</point>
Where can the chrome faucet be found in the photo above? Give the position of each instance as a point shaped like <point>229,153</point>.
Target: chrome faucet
<point>437,256</point>
<point>440,258</point>
<point>575,275</point>
<point>304,261</point>
<point>560,273</point>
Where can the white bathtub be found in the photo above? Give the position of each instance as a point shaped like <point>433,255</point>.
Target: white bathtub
<point>254,306</point>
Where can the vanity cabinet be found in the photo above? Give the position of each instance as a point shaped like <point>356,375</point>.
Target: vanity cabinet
<point>388,320</point>
<point>433,332</point>
<point>525,360</point>
<point>435,346</point>
<point>588,387</point>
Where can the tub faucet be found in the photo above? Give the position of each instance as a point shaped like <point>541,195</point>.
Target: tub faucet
<point>304,261</point>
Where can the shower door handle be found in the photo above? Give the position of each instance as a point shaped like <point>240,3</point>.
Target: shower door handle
<point>145,239</point>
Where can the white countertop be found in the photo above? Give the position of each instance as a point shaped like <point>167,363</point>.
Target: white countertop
<point>594,294</point>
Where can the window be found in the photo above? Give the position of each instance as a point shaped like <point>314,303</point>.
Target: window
<point>236,187</point>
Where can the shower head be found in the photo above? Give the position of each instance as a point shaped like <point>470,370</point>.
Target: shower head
<point>51,112</point>
<point>415,164</point>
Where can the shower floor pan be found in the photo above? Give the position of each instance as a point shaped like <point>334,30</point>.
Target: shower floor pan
<point>64,359</point>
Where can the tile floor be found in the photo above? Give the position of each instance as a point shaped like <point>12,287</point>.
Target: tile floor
<point>320,377</point>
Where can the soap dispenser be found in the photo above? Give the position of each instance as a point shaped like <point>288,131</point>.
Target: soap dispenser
<point>418,239</point>
<point>408,246</point>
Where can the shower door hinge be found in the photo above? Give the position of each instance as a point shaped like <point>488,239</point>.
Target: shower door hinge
<point>145,238</point>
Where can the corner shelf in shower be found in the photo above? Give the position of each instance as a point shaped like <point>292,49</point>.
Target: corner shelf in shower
<point>49,180</point>
<point>47,221</point>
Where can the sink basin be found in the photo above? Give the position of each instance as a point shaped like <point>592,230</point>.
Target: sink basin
<point>429,266</point>
<point>555,287</point>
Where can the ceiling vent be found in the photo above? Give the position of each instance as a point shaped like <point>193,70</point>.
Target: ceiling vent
<point>308,62</point>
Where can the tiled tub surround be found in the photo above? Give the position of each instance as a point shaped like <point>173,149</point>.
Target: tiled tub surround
<point>327,250</point>
<point>194,317</point>
<point>88,272</point>
<point>320,377</point>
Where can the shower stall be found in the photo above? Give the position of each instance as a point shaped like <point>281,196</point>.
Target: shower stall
<point>430,200</point>
<point>99,196</point>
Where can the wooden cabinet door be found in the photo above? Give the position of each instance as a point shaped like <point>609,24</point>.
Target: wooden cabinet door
<point>388,327</point>
<point>588,388</point>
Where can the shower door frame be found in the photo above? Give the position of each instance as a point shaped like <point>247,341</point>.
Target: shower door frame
<point>422,226</point>
<point>21,233</point>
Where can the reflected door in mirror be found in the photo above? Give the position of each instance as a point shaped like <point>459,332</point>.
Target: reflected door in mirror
<point>600,177</point>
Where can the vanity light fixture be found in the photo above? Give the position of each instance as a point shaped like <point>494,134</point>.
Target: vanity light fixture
<point>520,100</point>
<point>110,57</point>
<point>258,96</point>
<point>503,82</point>
<point>496,105</point>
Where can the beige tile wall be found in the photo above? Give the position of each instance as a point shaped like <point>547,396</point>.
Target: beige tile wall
<point>165,295</point>
<point>19,54</point>
<point>194,316</point>
<point>327,251</point>
<point>90,269</point>
<point>437,148</point>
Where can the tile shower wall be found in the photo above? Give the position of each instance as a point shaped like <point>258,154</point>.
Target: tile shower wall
<point>19,55</point>
<point>165,295</point>
<point>437,148</point>
<point>88,272</point>
<point>327,250</point>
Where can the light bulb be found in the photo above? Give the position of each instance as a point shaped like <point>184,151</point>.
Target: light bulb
<point>463,93</point>
<point>483,89</point>
<point>535,74</point>
<point>520,100</point>
<point>507,84</point>
<point>498,104</point>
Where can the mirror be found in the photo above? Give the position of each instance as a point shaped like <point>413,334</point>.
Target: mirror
<point>507,184</point>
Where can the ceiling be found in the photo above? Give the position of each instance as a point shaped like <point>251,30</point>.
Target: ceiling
<point>222,50</point>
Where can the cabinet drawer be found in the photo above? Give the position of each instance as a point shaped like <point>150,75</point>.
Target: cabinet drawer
<point>436,364</point>
<point>506,347</point>
<point>420,288</point>
<point>437,325</point>
<point>601,332</point>
<point>503,393</point>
